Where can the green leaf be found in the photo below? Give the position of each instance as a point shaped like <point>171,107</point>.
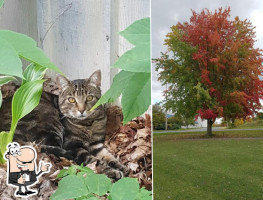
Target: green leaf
<point>93,198</point>
<point>136,93</point>
<point>6,79</point>
<point>70,187</point>
<point>136,97</point>
<point>144,195</point>
<point>125,189</point>
<point>119,83</point>
<point>1,3</point>
<point>72,170</point>
<point>5,138</point>
<point>62,173</point>
<point>85,169</point>
<point>86,197</point>
<point>1,98</point>
<point>98,183</point>
<point>137,59</point>
<point>25,99</point>
<point>133,82</point>
<point>10,64</point>
<point>138,32</point>
<point>26,48</point>
<point>33,72</point>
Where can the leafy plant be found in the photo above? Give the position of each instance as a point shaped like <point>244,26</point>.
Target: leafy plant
<point>14,47</point>
<point>81,183</point>
<point>1,3</point>
<point>134,81</point>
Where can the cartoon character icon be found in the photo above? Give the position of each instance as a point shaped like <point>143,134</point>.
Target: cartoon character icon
<point>21,166</point>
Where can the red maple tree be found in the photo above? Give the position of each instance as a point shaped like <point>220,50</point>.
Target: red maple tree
<point>225,65</point>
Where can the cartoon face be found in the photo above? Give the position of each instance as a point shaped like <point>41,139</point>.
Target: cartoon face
<point>21,159</point>
<point>14,151</point>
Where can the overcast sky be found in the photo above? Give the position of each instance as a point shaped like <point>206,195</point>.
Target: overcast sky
<point>166,13</point>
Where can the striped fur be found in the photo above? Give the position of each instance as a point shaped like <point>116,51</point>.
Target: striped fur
<point>85,129</point>
<point>69,129</point>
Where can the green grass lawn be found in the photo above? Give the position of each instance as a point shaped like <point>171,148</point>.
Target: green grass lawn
<point>216,169</point>
<point>217,134</point>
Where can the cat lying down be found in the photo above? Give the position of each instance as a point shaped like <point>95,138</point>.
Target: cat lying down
<point>65,126</point>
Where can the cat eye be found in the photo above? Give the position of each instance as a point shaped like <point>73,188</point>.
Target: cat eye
<point>89,98</point>
<point>71,99</point>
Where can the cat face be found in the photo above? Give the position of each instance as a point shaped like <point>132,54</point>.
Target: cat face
<point>77,97</point>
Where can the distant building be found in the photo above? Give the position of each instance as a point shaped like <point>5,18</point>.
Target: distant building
<point>199,123</point>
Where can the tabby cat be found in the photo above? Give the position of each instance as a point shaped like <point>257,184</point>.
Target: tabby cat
<point>65,126</point>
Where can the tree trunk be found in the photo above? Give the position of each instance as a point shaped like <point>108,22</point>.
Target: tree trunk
<point>232,122</point>
<point>209,127</point>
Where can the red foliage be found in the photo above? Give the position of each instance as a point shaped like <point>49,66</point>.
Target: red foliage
<point>213,66</point>
<point>229,64</point>
<point>212,90</point>
<point>207,114</point>
<point>205,77</point>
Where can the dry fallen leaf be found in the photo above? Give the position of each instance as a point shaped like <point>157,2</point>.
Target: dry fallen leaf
<point>130,143</point>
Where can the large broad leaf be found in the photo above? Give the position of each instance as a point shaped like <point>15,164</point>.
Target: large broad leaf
<point>4,80</point>
<point>144,195</point>
<point>62,173</point>
<point>136,93</point>
<point>10,64</point>
<point>25,99</point>
<point>89,197</point>
<point>119,83</point>
<point>26,48</point>
<point>138,32</point>
<point>33,72</point>
<point>70,187</point>
<point>137,59</point>
<point>133,82</point>
<point>98,183</point>
<point>93,198</point>
<point>136,97</point>
<point>125,189</point>
<point>84,169</point>
<point>1,3</point>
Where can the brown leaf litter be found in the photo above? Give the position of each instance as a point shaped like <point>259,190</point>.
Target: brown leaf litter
<point>130,143</point>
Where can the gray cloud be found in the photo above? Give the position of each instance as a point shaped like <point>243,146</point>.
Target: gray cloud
<point>166,13</point>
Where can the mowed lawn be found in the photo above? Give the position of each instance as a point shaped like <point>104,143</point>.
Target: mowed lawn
<point>207,169</point>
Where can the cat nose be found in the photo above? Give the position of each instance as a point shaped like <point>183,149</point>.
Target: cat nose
<point>82,111</point>
<point>81,108</point>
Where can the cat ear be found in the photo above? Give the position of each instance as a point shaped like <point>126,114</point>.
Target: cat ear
<point>95,78</point>
<point>62,82</point>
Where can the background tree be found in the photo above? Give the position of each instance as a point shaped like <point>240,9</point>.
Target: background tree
<point>213,67</point>
<point>174,123</point>
<point>158,117</point>
<point>260,115</point>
